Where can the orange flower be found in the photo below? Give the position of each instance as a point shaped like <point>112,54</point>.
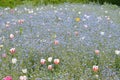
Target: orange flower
<point>77,19</point>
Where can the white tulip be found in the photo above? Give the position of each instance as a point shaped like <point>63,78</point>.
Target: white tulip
<point>24,70</point>
<point>117,52</point>
<point>14,60</point>
<point>50,59</point>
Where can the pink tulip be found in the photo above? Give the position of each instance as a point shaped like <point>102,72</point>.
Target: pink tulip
<point>56,61</point>
<point>11,36</point>
<point>8,78</point>
<point>50,67</point>
<point>56,42</point>
<point>23,78</point>
<point>12,11</point>
<point>20,21</point>
<point>4,55</point>
<point>95,68</point>
<point>76,33</point>
<point>7,25</point>
<point>42,61</point>
<point>12,50</point>
<point>97,51</point>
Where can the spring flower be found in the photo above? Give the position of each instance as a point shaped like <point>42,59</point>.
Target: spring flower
<point>7,78</point>
<point>79,12</point>
<point>117,52</point>
<point>20,21</point>
<point>95,68</point>
<point>23,78</point>
<point>24,70</point>
<point>86,26</point>
<point>11,36</point>
<point>102,33</point>
<point>56,42</point>
<point>14,60</point>
<point>56,61</point>
<point>42,61</point>
<point>50,59</point>
<point>87,16</point>
<point>50,67</point>
<point>97,51</point>
<point>12,50</point>
<point>76,33</point>
<point>77,19</point>
<point>4,55</point>
<point>97,76</point>
<point>1,46</point>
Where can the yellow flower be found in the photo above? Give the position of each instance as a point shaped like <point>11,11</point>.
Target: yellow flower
<point>77,19</point>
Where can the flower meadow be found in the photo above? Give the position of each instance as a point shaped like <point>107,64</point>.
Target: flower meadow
<point>60,42</point>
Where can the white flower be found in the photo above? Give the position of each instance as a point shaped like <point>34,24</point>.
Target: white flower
<point>24,70</point>
<point>79,12</point>
<point>117,52</point>
<point>106,12</point>
<point>1,46</point>
<point>102,33</point>
<point>50,59</point>
<point>14,60</point>
<point>85,26</point>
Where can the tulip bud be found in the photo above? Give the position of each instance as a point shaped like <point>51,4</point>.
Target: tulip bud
<point>50,59</point>
<point>76,33</point>
<point>97,51</point>
<point>12,50</point>
<point>14,60</point>
<point>56,61</point>
<point>23,78</point>
<point>50,67</point>
<point>42,61</point>
<point>56,42</point>
<point>95,68</point>
<point>11,36</point>
<point>24,70</point>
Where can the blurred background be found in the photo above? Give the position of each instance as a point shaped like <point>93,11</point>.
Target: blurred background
<point>13,3</point>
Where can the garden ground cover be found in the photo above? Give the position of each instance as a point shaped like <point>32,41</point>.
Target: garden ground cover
<point>70,32</point>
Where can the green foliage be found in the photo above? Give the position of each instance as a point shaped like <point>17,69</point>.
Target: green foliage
<point>13,3</point>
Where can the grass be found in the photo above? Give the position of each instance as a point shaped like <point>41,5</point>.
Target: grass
<point>78,29</point>
<point>14,3</point>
